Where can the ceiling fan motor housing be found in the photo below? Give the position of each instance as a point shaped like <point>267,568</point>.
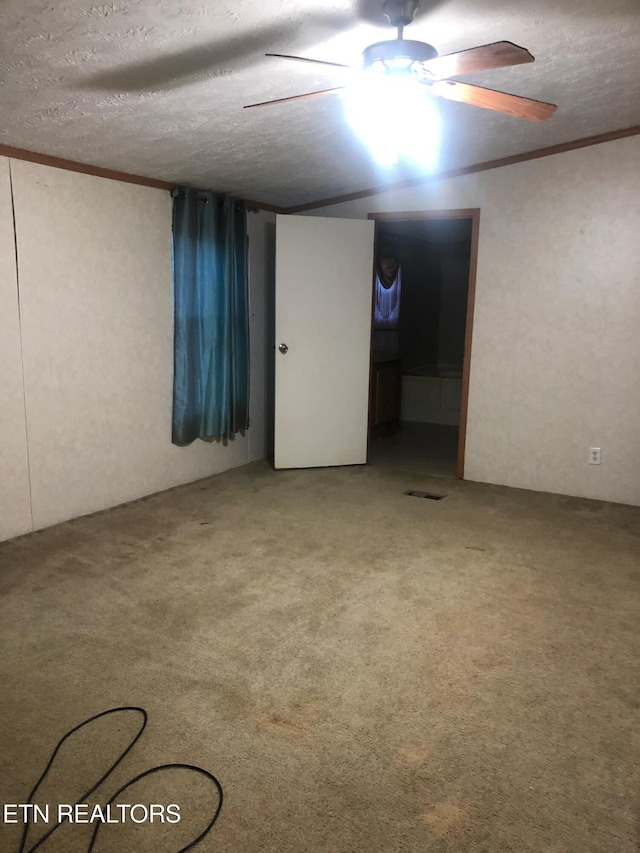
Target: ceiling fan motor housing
<point>388,53</point>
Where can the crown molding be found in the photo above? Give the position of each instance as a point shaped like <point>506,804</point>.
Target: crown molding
<point>469,170</point>
<point>125,177</point>
<point>83,168</point>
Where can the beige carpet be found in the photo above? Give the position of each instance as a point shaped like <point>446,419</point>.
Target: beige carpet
<point>362,670</point>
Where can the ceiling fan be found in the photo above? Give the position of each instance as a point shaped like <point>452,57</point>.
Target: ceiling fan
<point>420,61</point>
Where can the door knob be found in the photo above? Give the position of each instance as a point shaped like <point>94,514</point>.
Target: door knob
<point>283,349</point>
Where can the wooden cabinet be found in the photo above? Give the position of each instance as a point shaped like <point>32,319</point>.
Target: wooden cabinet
<point>384,401</point>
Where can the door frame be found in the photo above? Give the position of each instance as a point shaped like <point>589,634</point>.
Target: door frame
<point>472,213</point>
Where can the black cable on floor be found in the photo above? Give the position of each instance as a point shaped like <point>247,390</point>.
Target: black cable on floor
<point>103,778</point>
<point>199,770</point>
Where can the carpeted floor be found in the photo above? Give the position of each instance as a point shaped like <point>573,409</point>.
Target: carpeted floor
<point>362,670</point>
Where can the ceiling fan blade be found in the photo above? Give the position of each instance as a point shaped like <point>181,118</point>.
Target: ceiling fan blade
<point>295,97</point>
<point>497,55</point>
<point>306,59</point>
<point>490,99</point>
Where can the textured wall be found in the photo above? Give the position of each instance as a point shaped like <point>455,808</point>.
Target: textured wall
<point>555,364</point>
<point>97,329</point>
<point>15,512</point>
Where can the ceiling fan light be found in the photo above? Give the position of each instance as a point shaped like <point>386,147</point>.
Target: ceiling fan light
<point>396,118</point>
<point>399,63</point>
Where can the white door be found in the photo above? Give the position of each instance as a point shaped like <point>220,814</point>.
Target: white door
<point>324,273</point>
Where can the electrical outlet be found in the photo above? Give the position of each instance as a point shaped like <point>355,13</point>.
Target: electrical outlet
<point>594,456</point>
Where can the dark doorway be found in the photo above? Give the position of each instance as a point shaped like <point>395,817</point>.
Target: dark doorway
<point>421,340</point>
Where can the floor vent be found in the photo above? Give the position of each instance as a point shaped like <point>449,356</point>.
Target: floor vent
<point>428,495</point>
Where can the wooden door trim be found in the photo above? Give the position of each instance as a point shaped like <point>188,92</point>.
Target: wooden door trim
<point>372,312</point>
<point>472,213</point>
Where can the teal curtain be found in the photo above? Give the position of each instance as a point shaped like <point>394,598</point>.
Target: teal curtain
<point>211,317</point>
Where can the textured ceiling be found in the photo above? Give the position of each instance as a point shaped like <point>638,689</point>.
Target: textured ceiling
<point>156,87</point>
